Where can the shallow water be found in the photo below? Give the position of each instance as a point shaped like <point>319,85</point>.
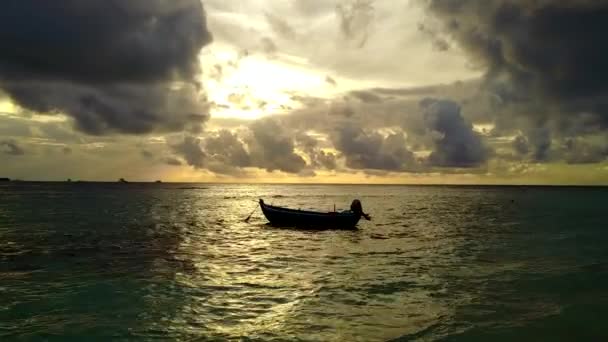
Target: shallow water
<point>88,261</point>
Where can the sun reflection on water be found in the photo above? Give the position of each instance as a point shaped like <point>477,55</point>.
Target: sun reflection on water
<point>248,279</point>
<point>178,262</point>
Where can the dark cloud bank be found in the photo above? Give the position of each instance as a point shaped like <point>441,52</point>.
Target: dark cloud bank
<point>549,49</point>
<point>285,144</point>
<point>267,144</point>
<point>112,65</point>
<point>546,65</point>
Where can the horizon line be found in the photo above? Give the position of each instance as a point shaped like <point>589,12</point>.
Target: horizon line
<point>307,183</point>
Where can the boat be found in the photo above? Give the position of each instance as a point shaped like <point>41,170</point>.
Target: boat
<point>286,217</point>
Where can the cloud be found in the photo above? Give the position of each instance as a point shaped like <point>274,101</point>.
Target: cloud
<point>60,132</point>
<point>12,126</point>
<point>331,81</point>
<point>268,46</point>
<point>356,18</point>
<point>371,150</point>
<point>326,160</point>
<point>272,147</point>
<point>98,110</point>
<point>580,151</point>
<point>266,144</point>
<point>548,52</point>
<point>439,42</point>
<point>319,159</point>
<point>521,145</point>
<point>10,147</point>
<point>147,154</point>
<point>365,96</point>
<point>455,142</point>
<point>347,40</point>
<point>281,27</point>
<point>190,149</point>
<point>129,68</point>
<point>540,139</point>
<point>393,130</point>
<point>226,153</point>
<point>313,8</point>
<point>540,147</point>
<point>172,161</point>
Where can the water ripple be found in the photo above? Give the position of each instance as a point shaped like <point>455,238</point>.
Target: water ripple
<point>143,262</point>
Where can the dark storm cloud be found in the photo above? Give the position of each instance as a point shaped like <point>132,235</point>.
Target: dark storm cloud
<point>123,108</point>
<point>226,148</point>
<point>190,149</point>
<point>371,150</point>
<point>540,140</point>
<point>579,151</point>
<point>272,147</point>
<point>552,52</point>
<point>388,134</point>
<point>11,147</point>
<point>540,146</point>
<point>108,64</point>
<point>441,125</point>
<point>318,157</point>
<point>225,153</point>
<point>455,142</point>
<point>266,144</point>
<point>352,127</point>
<point>132,40</point>
<point>521,145</point>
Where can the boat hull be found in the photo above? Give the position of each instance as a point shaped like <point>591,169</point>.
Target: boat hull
<point>284,217</point>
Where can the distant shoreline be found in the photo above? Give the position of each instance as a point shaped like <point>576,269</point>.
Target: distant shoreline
<point>76,182</point>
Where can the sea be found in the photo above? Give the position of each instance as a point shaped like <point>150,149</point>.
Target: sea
<point>180,262</point>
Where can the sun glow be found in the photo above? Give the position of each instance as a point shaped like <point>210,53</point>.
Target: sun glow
<point>250,87</point>
<point>12,110</point>
<point>6,106</point>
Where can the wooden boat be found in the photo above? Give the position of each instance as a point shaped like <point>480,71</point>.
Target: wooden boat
<point>285,217</point>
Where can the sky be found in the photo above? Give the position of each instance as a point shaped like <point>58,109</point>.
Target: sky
<point>305,91</point>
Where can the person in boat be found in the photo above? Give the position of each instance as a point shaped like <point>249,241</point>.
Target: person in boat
<point>357,208</point>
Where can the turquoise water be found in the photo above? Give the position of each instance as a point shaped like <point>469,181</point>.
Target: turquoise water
<point>176,262</point>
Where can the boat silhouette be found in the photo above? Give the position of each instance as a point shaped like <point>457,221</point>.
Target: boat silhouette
<point>286,217</point>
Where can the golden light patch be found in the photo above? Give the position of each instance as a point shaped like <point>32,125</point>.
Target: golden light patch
<point>8,107</point>
<point>250,87</point>
<point>483,129</point>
